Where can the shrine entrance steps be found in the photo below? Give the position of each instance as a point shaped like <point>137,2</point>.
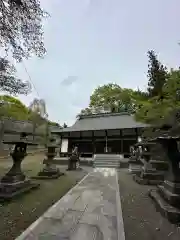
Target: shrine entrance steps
<point>107,160</point>
<point>90,210</point>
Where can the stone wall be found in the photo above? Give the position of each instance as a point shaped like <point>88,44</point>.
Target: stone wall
<point>10,131</point>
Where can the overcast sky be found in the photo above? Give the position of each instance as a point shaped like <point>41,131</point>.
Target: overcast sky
<point>93,42</point>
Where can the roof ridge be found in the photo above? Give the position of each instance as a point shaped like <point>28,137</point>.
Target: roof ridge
<point>103,115</point>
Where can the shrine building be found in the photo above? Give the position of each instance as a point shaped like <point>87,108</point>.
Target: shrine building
<point>104,133</point>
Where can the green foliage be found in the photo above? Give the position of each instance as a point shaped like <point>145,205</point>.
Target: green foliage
<point>153,106</point>
<point>155,109</point>
<point>85,111</point>
<point>54,124</point>
<point>8,80</point>
<point>21,33</point>
<point>157,75</point>
<point>65,125</point>
<point>171,89</point>
<point>113,98</point>
<point>11,107</point>
<point>106,96</point>
<point>21,28</point>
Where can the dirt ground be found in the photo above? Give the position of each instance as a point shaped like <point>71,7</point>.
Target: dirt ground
<point>141,221</point>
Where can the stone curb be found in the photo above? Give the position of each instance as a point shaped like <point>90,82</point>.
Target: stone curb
<point>120,222</point>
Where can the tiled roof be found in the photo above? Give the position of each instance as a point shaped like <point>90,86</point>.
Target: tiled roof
<point>102,122</point>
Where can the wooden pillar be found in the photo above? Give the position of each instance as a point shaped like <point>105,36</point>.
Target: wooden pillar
<point>106,147</point>
<point>60,144</point>
<point>121,145</point>
<point>136,130</point>
<point>121,141</point>
<point>93,142</point>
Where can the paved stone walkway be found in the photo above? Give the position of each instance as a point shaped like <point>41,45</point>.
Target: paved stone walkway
<point>89,211</point>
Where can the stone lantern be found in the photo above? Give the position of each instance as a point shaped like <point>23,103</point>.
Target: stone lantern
<point>167,195</point>
<point>15,182</point>
<point>50,171</point>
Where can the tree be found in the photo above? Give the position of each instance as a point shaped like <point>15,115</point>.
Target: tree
<point>157,75</point>
<point>21,27</point>
<point>154,110</point>
<point>51,123</point>
<point>112,98</point>
<point>20,33</point>
<point>13,108</point>
<point>8,81</point>
<point>65,125</point>
<point>105,97</point>
<point>171,89</point>
<point>38,116</point>
<point>85,111</point>
<point>38,106</point>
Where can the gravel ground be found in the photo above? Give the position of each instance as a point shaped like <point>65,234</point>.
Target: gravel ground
<point>141,221</point>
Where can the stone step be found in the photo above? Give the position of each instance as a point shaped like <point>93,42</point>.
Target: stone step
<point>106,166</point>
<point>110,160</point>
<point>107,159</point>
<point>97,164</point>
<point>106,162</point>
<point>107,156</point>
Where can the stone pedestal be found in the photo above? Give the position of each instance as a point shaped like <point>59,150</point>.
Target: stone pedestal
<point>134,165</point>
<point>50,171</point>
<point>167,196</point>
<point>73,163</point>
<point>149,177</point>
<point>148,174</point>
<point>11,190</point>
<point>15,182</point>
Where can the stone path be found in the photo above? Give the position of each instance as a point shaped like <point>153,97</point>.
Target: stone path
<point>91,211</point>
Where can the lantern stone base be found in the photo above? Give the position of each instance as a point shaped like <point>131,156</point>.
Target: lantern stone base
<point>134,166</point>
<point>149,178</point>
<point>167,200</point>
<point>9,191</point>
<point>49,173</point>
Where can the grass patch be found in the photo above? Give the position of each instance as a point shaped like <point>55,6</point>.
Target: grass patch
<point>18,214</point>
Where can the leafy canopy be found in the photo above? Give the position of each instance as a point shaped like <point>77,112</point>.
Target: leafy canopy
<point>8,80</point>
<point>21,27</point>
<point>21,33</point>
<point>13,108</point>
<point>157,75</point>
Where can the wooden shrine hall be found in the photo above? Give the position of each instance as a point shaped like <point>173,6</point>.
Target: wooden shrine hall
<point>112,133</point>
